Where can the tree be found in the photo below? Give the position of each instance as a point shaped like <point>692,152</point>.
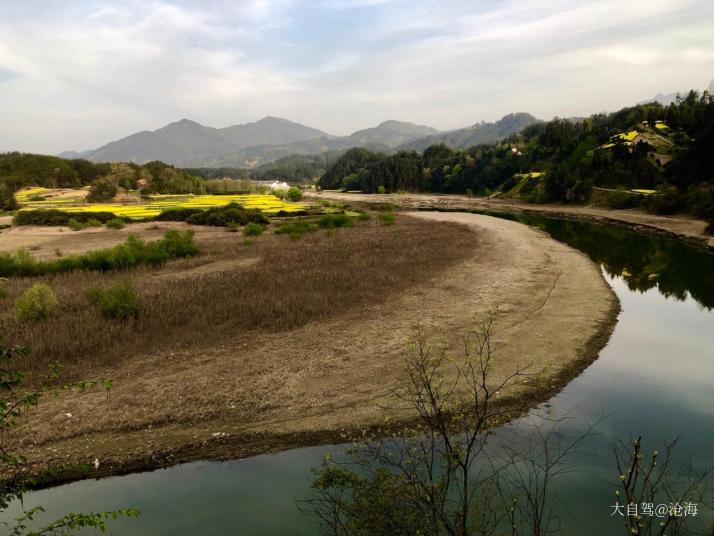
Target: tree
<point>438,477</point>
<point>102,190</point>
<point>448,473</point>
<point>7,198</point>
<point>15,399</point>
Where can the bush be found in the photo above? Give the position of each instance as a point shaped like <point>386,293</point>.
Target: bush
<point>54,217</point>
<point>623,200</point>
<point>131,253</point>
<point>36,303</point>
<point>387,218</point>
<point>76,225</point>
<point>253,229</point>
<point>364,216</point>
<point>294,194</point>
<point>102,190</point>
<point>232,227</point>
<point>332,221</point>
<point>217,216</point>
<point>7,198</point>
<point>297,229</point>
<point>381,189</point>
<point>118,302</point>
<point>115,223</point>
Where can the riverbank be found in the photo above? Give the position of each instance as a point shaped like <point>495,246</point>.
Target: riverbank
<point>682,228</point>
<point>310,385</point>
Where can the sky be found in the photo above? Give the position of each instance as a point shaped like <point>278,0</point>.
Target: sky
<point>79,73</point>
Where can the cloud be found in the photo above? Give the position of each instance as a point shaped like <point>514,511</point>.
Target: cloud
<point>93,71</point>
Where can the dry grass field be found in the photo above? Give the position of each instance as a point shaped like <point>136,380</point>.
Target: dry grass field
<point>277,343</point>
<point>232,289</point>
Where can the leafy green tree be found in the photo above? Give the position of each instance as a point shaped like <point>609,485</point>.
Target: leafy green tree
<point>102,190</point>
<point>16,398</point>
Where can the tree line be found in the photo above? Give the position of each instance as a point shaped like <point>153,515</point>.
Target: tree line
<point>567,154</point>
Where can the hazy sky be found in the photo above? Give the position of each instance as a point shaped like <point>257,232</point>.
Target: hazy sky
<point>77,74</point>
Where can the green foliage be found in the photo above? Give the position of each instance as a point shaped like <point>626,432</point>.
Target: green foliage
<point>118,302</point>
<point>131,253</point>
<point>364,216</point>
<point>102,190</point>
<point>115,223</point>
<point>297,229</point>
<point>333,221</point>
<point>76,225</point>
<point>37,303</point>
<point>217,216</point>
<point>381,189</point>
<point>386,218</point>
<point>574,155</point>
<point>7,198</point>
<point>54,217</point>
<point>623,200</point>
<point>253,229</point>
<point>18,170</point>
<point>294,194</point>
<point>16,399</point>
<point>162,178</point>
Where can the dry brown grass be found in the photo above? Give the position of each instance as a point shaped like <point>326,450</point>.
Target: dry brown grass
<point>293,282</point>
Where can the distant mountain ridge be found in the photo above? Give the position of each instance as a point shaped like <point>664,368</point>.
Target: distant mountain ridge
<point>186,143</point>
<point>479,133</point>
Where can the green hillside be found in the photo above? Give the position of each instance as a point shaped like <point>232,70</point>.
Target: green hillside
<point>650,155</point>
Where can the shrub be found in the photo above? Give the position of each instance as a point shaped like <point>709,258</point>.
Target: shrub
<point>36,303</point>
<point>216,216</point>
<point>387,218</point>
<point>332,221</point>
<point>7,198</point>
<point>76,225</point>
<point>233,227</point>
<point>118,302</point>
<point>623,200</point>
<point>297,229</point>
<point>253,229</point>
<point>115,223</point>
<point>102,190</point>
<point>3,290</point>
<point>364,216</point>
<point>54,217</point>
<point>130,253</point>
<point>381,189</point>
<point>294,194</point>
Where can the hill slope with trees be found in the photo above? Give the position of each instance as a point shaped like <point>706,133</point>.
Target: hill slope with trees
<point>663,151</point>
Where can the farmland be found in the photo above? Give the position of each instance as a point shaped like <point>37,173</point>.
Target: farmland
<point>137,208</point>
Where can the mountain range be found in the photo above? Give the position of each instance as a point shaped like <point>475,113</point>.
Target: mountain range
<point>186,143</point>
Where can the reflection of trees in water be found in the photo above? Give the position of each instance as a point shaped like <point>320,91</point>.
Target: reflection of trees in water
<point>643,261</point>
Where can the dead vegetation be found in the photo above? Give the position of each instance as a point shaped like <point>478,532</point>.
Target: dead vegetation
<point>292,283</point>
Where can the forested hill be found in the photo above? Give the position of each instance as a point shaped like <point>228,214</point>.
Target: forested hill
<point>18,170</point>
<point>666,151</point>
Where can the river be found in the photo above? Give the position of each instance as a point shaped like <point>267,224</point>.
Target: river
<point>655,377</point>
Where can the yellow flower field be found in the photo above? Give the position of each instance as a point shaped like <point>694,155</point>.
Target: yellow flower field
<point>267,203</point>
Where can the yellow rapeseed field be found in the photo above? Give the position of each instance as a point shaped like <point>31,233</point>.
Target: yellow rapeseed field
<point>267,203</point>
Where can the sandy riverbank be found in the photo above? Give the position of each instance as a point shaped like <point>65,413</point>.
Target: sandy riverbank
<point>305,386</point>
<point>681,227</point>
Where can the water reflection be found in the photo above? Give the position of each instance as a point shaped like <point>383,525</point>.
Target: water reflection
<point>655,377</point>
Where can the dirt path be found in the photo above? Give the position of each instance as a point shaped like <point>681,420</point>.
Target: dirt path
<point>681,227</point>
<point>306,386</point>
